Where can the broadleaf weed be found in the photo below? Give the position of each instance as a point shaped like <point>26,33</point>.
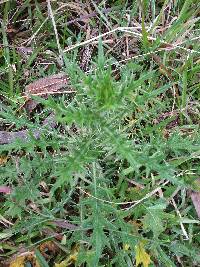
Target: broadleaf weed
<point>124,148</point>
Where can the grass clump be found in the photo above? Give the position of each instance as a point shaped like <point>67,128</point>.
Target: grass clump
<point>108,181</point>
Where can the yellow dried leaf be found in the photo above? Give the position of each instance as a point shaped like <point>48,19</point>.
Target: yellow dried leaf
<point>141,256</point>
<point>20,261</point>
<point>64,263</point>
<point>3,160</point>
<point>69,260</point>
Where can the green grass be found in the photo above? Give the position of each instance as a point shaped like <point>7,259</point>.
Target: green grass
<point>124,156</point>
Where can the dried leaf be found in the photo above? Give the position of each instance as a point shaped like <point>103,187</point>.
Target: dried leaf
<point>47,85</point>
<point>48,249</point>
<point>195,196</point>
<point>3,160</point>
<point>30,105</point>
<point>9,137</point>
<point>141,256</point>
<point>21,260</point>
<point>69,260</point>
<point>18,262</point>
<point>49,232</point>
<point>64,263</point>
<point>30,256</point>
<point>65,224</point>
<point>5,189</point>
